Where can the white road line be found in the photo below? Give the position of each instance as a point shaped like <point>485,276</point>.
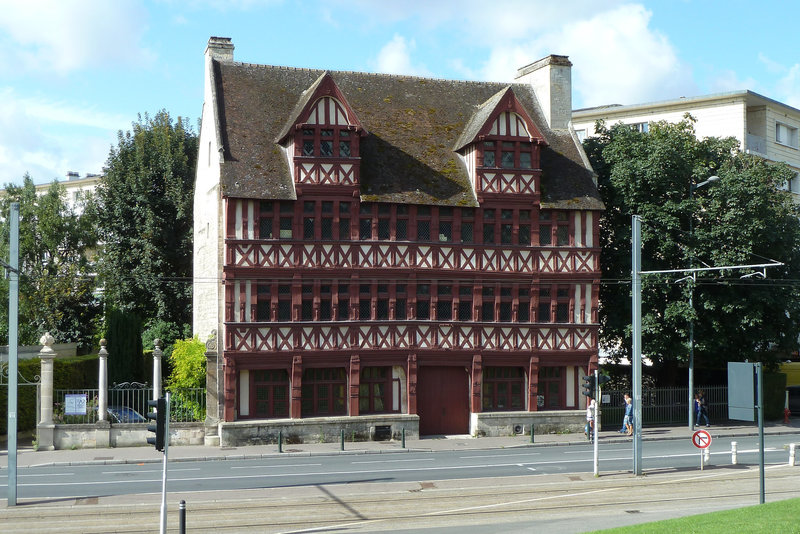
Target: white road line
<point>276,466</point>
<point>395,461</point>
<point>136,472</point>
<point>499,455</point>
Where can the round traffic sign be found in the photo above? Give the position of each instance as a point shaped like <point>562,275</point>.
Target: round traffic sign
<point>701,439</point>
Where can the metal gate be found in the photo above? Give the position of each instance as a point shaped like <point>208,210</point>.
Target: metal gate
<point>28,404</point>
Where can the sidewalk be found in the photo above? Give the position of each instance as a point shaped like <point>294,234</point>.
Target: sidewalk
<point>27,457</point>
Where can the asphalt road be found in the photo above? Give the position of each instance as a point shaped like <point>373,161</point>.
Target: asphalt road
<point>92,481</point>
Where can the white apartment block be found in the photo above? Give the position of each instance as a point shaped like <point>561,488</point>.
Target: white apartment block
<point>763,126</point>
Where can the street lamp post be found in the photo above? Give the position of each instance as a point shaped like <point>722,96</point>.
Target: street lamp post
<point>692,187</point>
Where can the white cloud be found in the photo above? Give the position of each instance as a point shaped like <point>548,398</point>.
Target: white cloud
<point>616,56</point>
<point>788,87</point>
<point>38,136</point>
<point>395,58</point>
<point>63,36</point>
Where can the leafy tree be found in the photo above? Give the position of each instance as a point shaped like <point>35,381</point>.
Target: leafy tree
<point>56,284</point>
<point>743,218</point>
<point>188,362</point>
<point>125,357</point>
<point>144,212</point>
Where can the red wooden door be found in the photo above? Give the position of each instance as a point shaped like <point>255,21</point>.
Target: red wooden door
<point>443,400</point>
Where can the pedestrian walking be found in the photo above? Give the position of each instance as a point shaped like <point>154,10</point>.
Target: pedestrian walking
<point>624,429</point>
<point>589,428</point>
<point>700,409</point>
<point>629,415</point>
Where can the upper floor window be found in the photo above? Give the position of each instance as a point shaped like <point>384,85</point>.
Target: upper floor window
<point>642,127</point>
<point>327,132</point>
<point>507,154</point>
<point>553,228</point>
<point>785,135</point>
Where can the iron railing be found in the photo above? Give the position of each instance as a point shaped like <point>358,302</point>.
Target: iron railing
<point>187,404</point>
<point>665,405</point>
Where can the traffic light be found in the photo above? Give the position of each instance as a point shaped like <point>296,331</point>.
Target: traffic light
<point>160,418</point>
<point>602,379</point>
<point>588,386</point>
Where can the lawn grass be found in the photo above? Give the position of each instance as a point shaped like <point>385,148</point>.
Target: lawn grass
<point>775,517</point>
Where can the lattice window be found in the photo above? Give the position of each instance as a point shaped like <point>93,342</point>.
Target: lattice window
<point>503,389</point>
<point>271,393</point>
<point>323,392</point>
<point>375,390</point>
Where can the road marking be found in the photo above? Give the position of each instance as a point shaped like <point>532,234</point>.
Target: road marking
<point>276,466</point>
<point>140,471</point>
<point>394,461</point>
<point>496,505</point>
<point>499,455</point>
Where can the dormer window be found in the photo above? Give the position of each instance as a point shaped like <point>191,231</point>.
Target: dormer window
<point>326,142</point>
<point>507,154</point>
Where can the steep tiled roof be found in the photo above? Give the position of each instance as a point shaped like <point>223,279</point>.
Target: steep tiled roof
<point>407,156</point>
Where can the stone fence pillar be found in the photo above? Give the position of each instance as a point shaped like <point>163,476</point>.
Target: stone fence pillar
<point>157,369</point>
<point>46,427</point>
<point>213,396</point>
<point>102,382</point>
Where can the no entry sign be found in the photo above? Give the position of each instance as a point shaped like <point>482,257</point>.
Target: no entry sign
<point>701,439</point>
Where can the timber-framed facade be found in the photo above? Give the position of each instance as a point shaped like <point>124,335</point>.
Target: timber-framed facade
<point>371,245</point>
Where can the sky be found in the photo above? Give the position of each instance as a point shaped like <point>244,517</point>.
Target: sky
<point>75,73</point>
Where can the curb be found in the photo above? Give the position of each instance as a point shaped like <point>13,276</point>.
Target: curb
<point>613,439</point>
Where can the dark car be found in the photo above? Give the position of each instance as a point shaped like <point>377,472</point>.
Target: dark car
<point>124,414</point>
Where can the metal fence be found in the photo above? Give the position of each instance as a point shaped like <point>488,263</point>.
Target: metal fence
<point>187,404</point>
<point>666,405</point>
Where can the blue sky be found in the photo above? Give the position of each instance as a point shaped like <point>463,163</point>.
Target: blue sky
<point>75,72</point>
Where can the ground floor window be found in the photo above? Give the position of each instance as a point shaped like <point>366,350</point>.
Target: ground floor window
<point>324,392</point>
<point>271,393</point>
<point>375,390</point>
<point>551,387</point>
<point>503,389</point>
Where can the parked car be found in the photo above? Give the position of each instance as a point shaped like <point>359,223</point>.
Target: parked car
<point>125,414</point>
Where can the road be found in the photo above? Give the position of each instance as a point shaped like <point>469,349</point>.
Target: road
<point>286,471</point>
<point>503,490</point>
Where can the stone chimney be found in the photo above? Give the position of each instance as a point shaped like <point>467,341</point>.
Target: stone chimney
<point>551,80</point>
<point>220,48</point>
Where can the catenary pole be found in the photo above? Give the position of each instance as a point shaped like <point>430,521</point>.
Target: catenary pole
<point>13,309</point>
<point>636,281</point>
<point>636,324</point>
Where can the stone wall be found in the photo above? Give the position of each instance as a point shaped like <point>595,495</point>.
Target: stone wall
<point>498,424</point>
<point>318,430</point>
<point>100,436</point>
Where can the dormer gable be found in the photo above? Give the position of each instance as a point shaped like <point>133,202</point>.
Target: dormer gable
<point>501,145</point>
<point>322,136</point>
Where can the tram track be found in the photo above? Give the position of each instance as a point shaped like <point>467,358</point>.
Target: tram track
<point>368,507</point>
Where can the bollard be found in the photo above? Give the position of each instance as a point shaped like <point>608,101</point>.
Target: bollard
<point>280,440</point>
<point>342,439</point>
<point>531,432</point>
<point>791,454</point>
<point>403,443</point>
<point>182,517</point>
<point>734,459</point>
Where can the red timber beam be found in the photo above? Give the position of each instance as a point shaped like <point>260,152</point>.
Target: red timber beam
<point>477,381</point>
<point>295,411</point>
<point>533,384</point>
<point>229,373</point>
<point>412,384</point>
<point>355,376</point>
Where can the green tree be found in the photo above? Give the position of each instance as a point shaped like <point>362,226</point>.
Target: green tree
<point>743,218</point>
<point>144,212</point>
<point>56,284</point>
<point>188,375</point>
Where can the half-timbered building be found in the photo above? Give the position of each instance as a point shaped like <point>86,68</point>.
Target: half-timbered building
<point>383,250</point>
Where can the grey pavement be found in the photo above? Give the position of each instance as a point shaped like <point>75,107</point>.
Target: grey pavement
<point>27,457</point>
